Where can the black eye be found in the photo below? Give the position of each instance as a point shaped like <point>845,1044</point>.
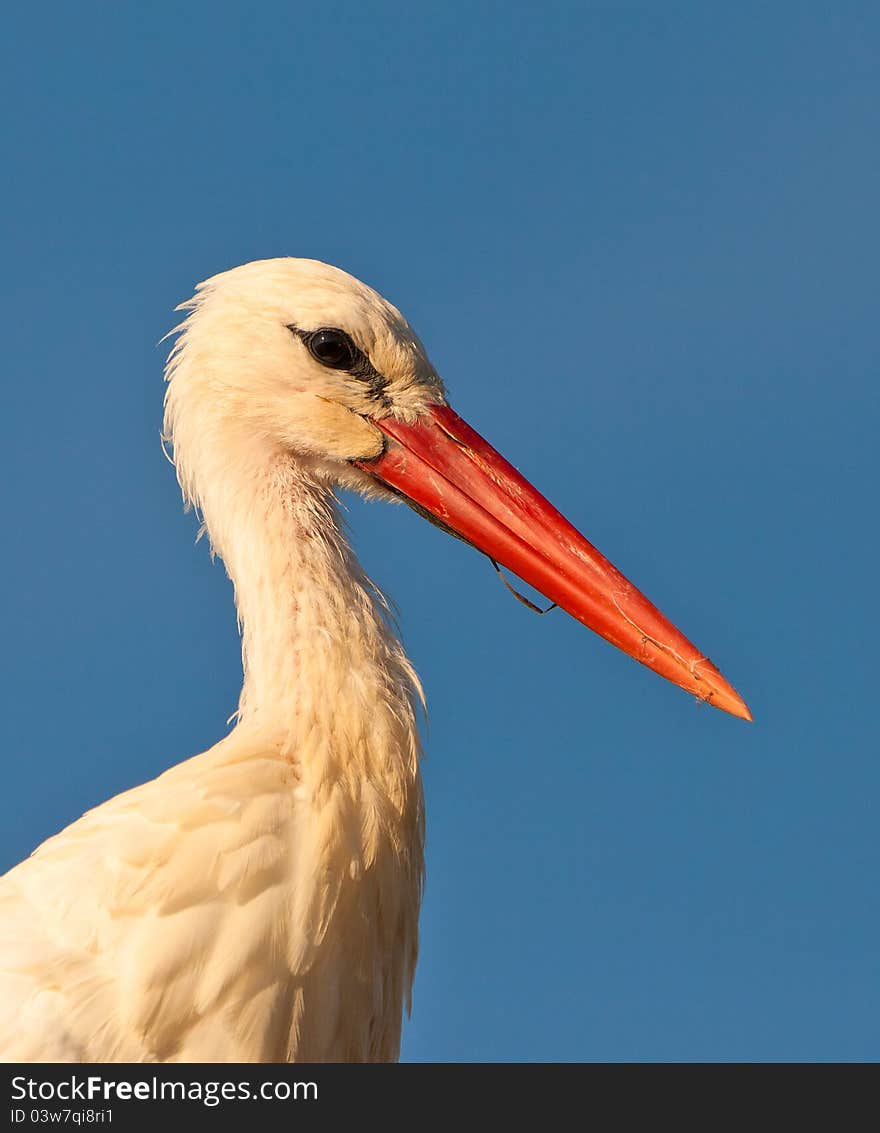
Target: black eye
<point>333,348</point>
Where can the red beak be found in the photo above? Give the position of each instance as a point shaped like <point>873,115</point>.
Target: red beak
<point>449,472</point>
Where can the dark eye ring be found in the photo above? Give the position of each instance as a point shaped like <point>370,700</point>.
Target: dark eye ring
<point>332,348</point>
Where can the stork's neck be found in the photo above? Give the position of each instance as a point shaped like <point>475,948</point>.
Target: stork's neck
<point>320,660</point>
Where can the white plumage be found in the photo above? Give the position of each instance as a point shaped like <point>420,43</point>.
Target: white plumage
<point>260,901</point>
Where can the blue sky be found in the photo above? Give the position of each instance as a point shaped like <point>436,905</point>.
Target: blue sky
<point>640,243</point>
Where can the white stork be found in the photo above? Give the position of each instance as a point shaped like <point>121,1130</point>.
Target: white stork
<point>259,902</point>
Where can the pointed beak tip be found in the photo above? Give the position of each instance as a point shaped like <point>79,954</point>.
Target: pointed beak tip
<point>742,712</point>
<point>729,700</point>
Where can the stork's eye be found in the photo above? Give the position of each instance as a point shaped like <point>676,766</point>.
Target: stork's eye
<point>333,348</point>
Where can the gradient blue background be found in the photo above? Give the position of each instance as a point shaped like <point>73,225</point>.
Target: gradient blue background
<point>641,244</point>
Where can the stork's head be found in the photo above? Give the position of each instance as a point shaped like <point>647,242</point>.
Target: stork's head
<point>295,357</point>
<point>295,362</point>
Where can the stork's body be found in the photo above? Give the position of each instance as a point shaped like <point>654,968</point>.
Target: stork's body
<point>259,902</point>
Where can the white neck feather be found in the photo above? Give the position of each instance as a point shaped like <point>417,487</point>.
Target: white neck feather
<point>319,657</point>
<point>316,641</point>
